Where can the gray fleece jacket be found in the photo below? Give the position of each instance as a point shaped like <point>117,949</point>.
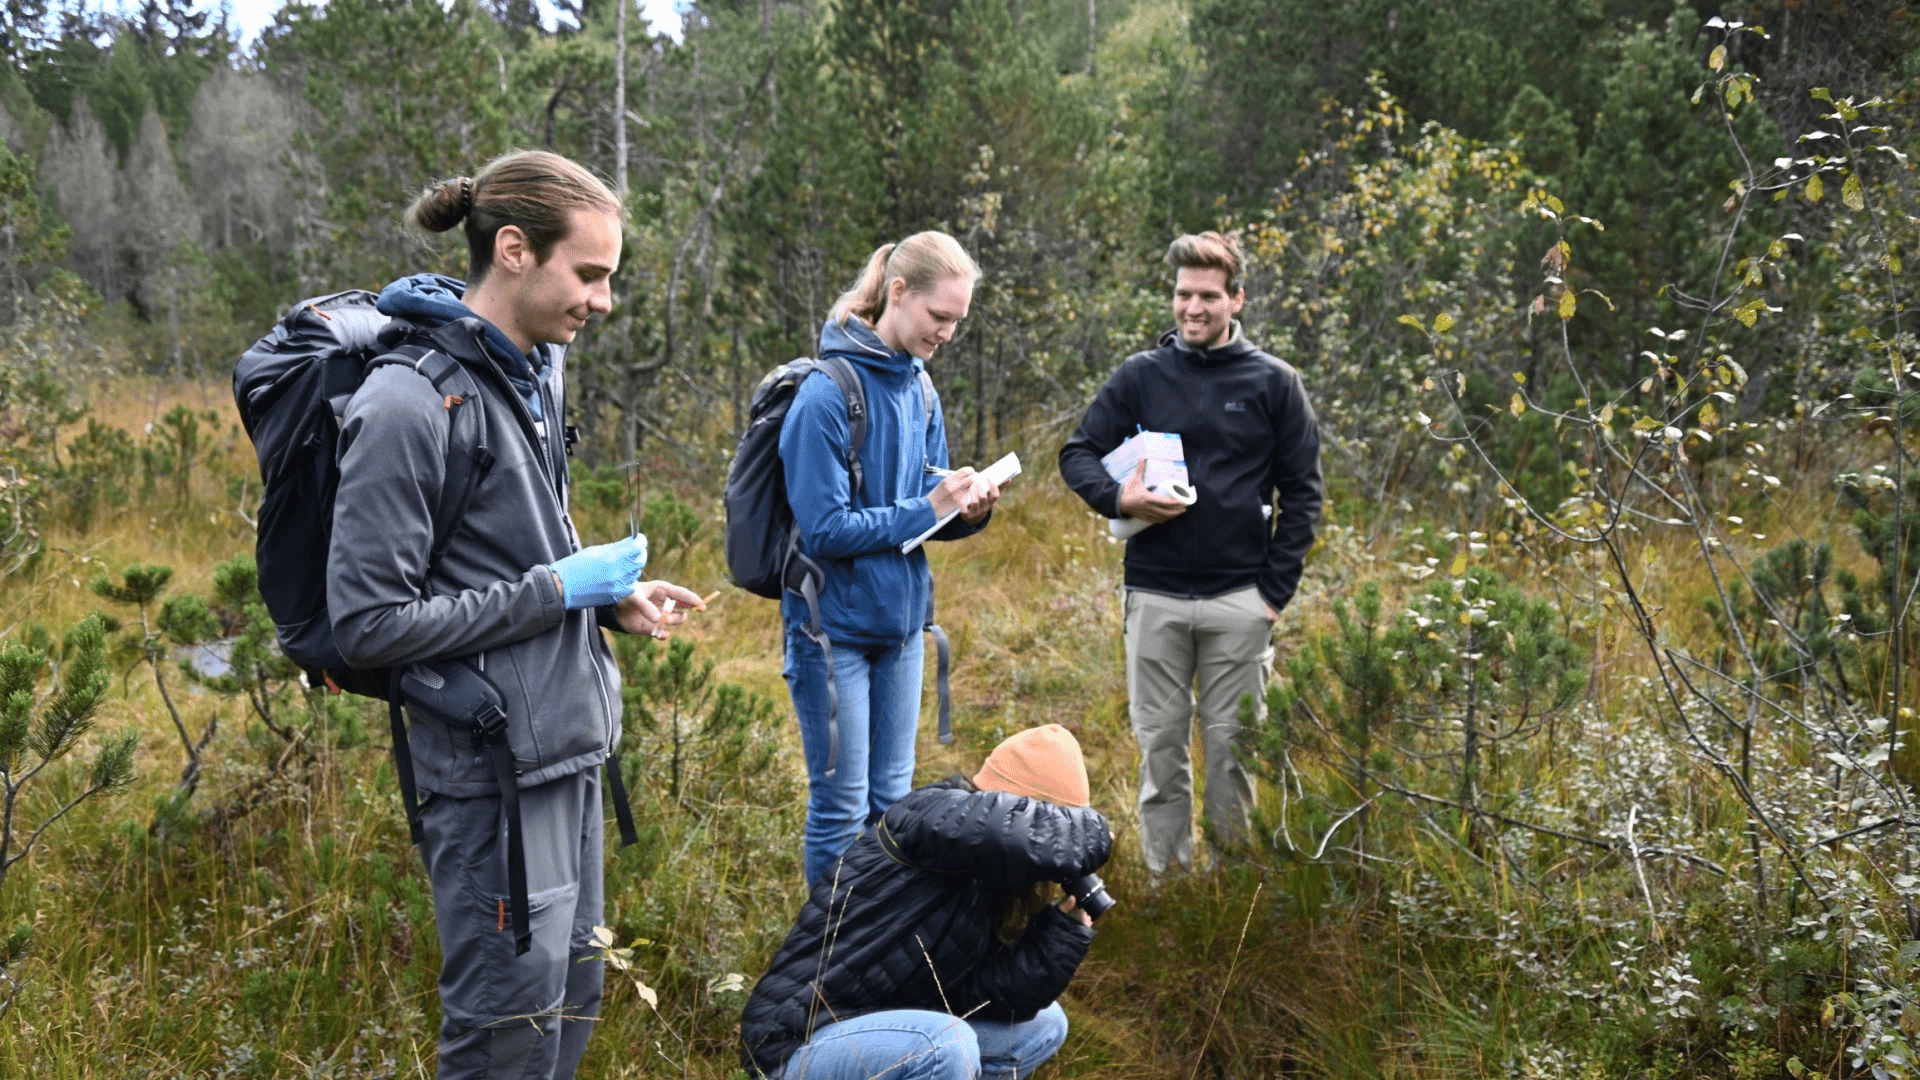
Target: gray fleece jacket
<point>493,595</point>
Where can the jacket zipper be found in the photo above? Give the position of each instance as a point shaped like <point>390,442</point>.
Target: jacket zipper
<point>546,462</point>
<point>1204,377</point>
<point>606,702</point>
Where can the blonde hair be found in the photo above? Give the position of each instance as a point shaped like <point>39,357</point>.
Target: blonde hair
<point>1208,251</point>
<point>922,260</point>
<point>535,190</point>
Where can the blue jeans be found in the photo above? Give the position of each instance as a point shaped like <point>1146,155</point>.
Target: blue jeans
<point>879,710</point>
<point>911,1044</point>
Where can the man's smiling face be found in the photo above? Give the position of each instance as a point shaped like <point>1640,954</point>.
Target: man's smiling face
<point>1202,308</point>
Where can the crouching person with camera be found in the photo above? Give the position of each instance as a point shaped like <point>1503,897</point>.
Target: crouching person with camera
<point>935,948</point>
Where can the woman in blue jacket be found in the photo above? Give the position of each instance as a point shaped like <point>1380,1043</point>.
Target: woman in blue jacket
<point>873,600</point>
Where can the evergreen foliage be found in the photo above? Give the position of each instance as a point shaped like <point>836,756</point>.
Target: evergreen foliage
<point>1591,748</point>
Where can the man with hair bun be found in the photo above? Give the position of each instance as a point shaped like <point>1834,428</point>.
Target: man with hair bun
<point>510,593</point>
<point>1204,583</point>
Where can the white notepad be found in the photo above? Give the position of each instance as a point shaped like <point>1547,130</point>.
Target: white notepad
<point>999,472</point>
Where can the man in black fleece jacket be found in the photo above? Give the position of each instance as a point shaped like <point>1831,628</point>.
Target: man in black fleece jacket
<point>1204,583</point>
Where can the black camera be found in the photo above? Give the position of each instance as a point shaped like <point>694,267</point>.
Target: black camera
<point>1089,894</point>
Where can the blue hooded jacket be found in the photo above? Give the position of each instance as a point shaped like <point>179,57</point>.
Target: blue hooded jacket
<point>873,595</point>
<point>431,300</point>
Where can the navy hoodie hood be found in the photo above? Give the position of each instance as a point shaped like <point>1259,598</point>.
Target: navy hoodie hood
<point>431,301</point>
<point>861,344</point>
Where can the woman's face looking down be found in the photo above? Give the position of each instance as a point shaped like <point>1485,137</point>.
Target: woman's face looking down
<point>920,322</point>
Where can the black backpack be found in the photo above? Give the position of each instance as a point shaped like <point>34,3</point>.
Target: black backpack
<point>292,388</point>
<point>763,543</point>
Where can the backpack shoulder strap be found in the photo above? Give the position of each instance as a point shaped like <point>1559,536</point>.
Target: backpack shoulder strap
<point>458,388</point>
<point>929,398</point>
<point>464,470</point>
<point>435,366</point>
<point>841,372</point>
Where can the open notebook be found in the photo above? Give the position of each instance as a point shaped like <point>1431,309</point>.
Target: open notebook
<point>999,472</point>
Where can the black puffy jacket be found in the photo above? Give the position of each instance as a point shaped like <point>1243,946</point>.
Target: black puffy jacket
<point>906,920</point>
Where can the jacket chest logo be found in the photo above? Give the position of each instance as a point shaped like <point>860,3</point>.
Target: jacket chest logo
<point>1236,406</point>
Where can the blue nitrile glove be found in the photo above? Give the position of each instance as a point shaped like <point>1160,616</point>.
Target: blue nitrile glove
<point>602,574</point>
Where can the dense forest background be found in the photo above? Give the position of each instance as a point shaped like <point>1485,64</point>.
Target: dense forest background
<point>1588,750</point>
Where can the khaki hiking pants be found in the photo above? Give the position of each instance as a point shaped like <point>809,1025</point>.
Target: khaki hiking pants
<point>1224,645</point>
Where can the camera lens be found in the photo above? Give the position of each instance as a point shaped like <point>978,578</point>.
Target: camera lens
<point>1089,894</point>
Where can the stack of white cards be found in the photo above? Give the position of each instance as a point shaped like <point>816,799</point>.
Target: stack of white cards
<point>1166,460</point>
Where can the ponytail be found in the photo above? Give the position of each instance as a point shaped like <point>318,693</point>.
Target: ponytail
<point>922,260</point>
<point>868,296</point>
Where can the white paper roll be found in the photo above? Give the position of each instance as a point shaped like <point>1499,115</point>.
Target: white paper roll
<point>1126,528</point>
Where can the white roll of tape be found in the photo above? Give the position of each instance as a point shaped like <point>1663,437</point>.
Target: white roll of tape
<point>1126,528</point>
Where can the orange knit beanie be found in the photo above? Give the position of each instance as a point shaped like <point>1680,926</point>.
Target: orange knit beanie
<point>1043,762</point>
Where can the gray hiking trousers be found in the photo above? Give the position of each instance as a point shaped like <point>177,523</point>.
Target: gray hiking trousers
<point>525,1017</point>
<point>1181,654</point>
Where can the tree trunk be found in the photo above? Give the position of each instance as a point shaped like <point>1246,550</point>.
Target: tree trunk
<point>766,37</point>
<point>1093,36</point>
<point>979,400</point>
<point>739,386</point>
<point>620,99</point>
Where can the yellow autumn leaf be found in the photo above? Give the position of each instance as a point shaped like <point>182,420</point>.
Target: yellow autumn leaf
<point>1442,323</point>
<point>1517,406</point>
<point>1709,416</point>
<point>1717,59</point>
<point>1520,377</point>
<point>1851,194</point>
<point>1606,414</point>
<point>1567,304</point>
<point>1413,321</point>
<point>1816,188</point>
<point>1555,205</point>
<point>1459,566</point>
